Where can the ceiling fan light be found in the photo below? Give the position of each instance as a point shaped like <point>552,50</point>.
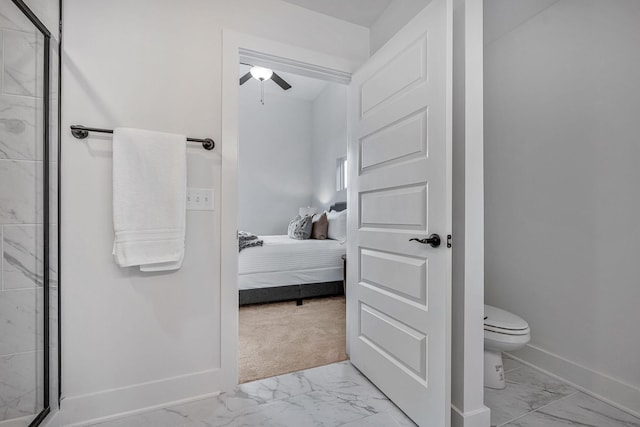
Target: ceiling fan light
<point>261,73</point>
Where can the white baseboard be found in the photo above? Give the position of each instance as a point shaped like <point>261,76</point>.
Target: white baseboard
<point>17,422</point>
<point>477,418</point>
<point>611,390</point>
<point>52,420</point>
<point>116,403</point>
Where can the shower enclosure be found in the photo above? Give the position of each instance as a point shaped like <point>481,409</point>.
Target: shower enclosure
<point>28,230</point>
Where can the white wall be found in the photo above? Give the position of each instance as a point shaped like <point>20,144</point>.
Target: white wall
<point>562,201</point>
<point>130,339</point>
<point>274,161</point>
<point>329,144</point>
<point>394,17</point>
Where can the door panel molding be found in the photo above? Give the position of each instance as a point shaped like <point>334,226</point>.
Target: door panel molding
<point>396,77</point>
<point>399,291</point>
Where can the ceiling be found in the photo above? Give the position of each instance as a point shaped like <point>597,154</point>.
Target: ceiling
<point>305,88</point>
<point>359,12</point>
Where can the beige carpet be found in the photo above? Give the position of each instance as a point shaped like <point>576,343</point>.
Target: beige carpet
<point>282,337</point>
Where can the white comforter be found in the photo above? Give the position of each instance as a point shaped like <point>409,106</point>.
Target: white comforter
<point>283,261</point>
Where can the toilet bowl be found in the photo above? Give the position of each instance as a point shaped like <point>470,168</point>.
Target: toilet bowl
<point>503,331</point>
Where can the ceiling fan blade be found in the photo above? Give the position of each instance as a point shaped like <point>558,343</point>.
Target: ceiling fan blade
<point>280,82</point>
<point>244,78</point>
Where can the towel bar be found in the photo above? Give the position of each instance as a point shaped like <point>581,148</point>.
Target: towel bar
<point>81,132</point>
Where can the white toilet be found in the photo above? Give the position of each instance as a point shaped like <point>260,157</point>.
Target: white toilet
<point>503,331</point>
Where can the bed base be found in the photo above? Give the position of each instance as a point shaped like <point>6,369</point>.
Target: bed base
<point>290,293</point>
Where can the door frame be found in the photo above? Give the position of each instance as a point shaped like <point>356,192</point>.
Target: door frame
<point>268,53</point>
<point>468,227</point>
<point>467,303</point>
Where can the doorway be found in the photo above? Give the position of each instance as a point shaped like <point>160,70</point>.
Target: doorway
<point>242,48</point>
<point>291,221</point>
<point>388,100</point>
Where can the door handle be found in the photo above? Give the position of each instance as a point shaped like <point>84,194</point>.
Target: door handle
<point>433,240</point>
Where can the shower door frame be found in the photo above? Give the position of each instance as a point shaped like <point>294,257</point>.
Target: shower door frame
<point>46,404</point>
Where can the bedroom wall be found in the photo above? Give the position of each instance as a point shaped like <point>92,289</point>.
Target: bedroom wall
<point>133,340</point>
<point>329,111</point>
<point>562,201</point>
<point>274,160</point>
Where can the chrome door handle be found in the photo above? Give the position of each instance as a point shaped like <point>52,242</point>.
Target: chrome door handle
<point>433,240</point>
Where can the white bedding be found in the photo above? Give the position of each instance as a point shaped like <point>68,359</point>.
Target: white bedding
<point>283,261</point>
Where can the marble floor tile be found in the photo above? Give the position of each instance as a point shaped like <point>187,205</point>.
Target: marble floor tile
<point>344,404</point>
<point>334,376</point>
<point>510,364</point>
<point>527,390</point>
<point>577,410</point>
<point>332,395</point>
<point>329,377</point>
<point>383,419</point>
<point>338,395</point>
<point>166,417</point>
<point>308,410</point>
<point>276,388</point>
<point>400,417</point>
<point>315,408</point>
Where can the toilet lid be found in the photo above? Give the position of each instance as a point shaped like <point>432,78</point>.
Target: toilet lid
<point>501,320</point>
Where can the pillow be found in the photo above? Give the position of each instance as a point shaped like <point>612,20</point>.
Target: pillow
<point>337,225</point>
<point>320,226</point>
<point>300,227</point>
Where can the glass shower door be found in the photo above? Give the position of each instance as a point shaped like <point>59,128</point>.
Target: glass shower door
<point>24,217</point>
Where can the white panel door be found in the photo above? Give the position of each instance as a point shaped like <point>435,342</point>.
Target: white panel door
<point>398,290</point>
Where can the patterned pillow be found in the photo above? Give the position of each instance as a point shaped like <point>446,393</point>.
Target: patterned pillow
<point>300,227</point>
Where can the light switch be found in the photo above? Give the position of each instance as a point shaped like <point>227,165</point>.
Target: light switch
<point>199,199</point>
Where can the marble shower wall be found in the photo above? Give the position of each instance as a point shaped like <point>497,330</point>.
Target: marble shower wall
<point>21,213</point>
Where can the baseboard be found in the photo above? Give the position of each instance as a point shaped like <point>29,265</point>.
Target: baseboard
<point>611,390</point>
<point>52,420</point>
<point>478,418</point>
<point>138,398</point>
<point>16,422</point>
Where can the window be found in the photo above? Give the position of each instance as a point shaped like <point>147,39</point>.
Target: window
<point>341,174</point>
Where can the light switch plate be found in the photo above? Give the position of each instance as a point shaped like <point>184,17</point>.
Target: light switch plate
<point>199,199</point>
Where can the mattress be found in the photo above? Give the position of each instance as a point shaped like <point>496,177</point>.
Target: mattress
<point>282,261</point>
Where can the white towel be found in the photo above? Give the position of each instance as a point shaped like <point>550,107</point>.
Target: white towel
<point>149,199</point>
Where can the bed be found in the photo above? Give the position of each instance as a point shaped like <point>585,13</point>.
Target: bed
<point>285,269</point>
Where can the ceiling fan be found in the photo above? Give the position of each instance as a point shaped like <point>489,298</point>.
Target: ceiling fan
<point>262,74</point>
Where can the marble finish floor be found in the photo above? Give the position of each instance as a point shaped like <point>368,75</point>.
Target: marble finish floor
<point>338,395</point>
<point>533,399</point>
<point>332,395</point>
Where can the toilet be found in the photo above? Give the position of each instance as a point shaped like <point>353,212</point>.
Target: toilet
<point>503,331</point>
